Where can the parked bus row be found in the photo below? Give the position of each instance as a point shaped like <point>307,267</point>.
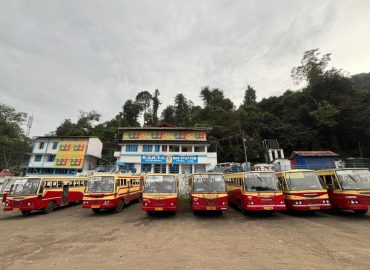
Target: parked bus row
<point>299,190</point>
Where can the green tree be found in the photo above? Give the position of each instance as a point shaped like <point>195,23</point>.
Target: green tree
<point>249,96</point>
<point>131,112</point>
<point>156,104</point>
<point>14,145</point>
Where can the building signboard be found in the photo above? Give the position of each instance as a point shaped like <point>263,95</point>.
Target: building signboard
<point>175,159</point>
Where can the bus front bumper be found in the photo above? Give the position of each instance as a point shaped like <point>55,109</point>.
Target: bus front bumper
<point>278,207</point>
<point>309,207</point>
<point>103,204</point>
<point>159,208</point>
<point>209,208</point>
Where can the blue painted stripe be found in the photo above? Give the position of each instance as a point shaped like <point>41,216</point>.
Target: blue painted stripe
<point>163,154</point>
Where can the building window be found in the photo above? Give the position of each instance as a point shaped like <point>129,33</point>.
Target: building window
<point>55,145</point>
<point>131,148</point>
<point>164,148</point>
<point>174,168</point>
<point>147,148</point>
<point>146,168</point>
<point>174,148</point>
<point>41,145</point>
<point>157,148</point>
<point>199,149</point>
<point>186,149</point>
<point>51,158</point>
<point>37,158</point>
<point>159,168</point>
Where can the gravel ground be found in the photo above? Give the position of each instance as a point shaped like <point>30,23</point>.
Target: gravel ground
<point>74,238</point>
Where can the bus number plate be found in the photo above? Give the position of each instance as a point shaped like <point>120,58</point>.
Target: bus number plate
<point>314,207</point>
<point>158,209</point>
<point>211,208</point>
<point>95,206</point>
<point>268,208</point>
<point>15,209</point>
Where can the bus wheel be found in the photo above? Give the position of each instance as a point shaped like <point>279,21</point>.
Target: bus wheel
<point>119,206</point>
<point>26,212</point>
<point>50,207</point>
<point>96,210</point>
<point>139,199</point>
<point>150,213</point>
<point>361,212</point>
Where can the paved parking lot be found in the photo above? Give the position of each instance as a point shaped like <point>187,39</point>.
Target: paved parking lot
<point>73,238</point>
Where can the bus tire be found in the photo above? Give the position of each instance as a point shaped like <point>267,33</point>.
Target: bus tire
<point>361,212</point>
<point>242,210</point>
<point>139,200</point>
<point>50,207</point>
<point>95,210</point>
<point>119,206</point>
<point>26,212</point>
<point>150,213</point>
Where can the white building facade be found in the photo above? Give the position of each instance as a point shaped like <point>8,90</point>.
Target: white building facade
<point>165,150</point>
<point>64,155</point>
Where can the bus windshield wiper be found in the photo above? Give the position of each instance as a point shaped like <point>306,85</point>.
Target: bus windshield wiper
<point>259,178</point>
<point>354,180</point>
<point>205,182</point>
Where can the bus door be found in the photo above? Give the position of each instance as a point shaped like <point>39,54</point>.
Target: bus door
<point>65,193</point>
<point>333,187</point>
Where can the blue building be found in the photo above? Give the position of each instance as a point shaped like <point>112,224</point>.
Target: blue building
<point>313,160</point>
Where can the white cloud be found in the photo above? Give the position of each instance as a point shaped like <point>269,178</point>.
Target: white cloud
<point>59,57</point>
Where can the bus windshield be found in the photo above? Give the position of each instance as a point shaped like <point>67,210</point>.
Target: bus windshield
<point>209,183</point>
<point>354,179</point>
<point>24,186</point>
<point>160,184</point>
<point>303,181</point>
<point>97,184</point>
<point>261,182</point>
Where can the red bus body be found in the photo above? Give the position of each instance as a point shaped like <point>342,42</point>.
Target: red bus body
<point>126,188</point>
<point>207,200</point>
<point>253,200</point>
<point>160,201</point>
<point>305,199</point>
<point>342,198</point>
<point>59,191</point>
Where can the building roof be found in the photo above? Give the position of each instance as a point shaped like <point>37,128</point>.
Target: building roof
<point>65,137</point>
<point>162,142</point>
<point>314,154</point>
<point>167,128</point>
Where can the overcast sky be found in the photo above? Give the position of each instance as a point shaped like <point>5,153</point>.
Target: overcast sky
<point>59,57</point>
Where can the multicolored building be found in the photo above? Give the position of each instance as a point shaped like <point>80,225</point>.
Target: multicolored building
<point>64,155</point>
<point>165,150</point>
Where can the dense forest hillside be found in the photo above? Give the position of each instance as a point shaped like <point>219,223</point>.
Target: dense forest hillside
<point>361,81</point>
<point>331,112</point>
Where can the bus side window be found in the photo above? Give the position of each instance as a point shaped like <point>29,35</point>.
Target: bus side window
<point>328,180</point>
<point>54,184</point>
<point>124,182</point>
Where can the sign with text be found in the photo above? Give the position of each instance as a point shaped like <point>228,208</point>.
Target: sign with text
<point>165,135</point>
<point>175,159</point>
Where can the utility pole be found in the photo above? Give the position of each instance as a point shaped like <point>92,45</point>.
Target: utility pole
<point>359,148</point>
<point>245,150</point>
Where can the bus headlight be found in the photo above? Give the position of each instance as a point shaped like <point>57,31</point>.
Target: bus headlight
<point>281,202</point>
<point>196,203</point>
<point>146,204</point>
<point>6,204</point>
<point>326,201</point>
<point>223,203</point>
<point>298,202</point>
<point>106,202</point>
<point>172,204</point>
<point>29,203</point>
<point>251,202</point>
<point>353,202</point>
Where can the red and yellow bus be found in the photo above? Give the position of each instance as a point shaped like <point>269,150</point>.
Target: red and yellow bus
<point>255,191</point>
<point>208,192</point>
<point>160,193</point>
<point>43,193</point>
<point>349,189</point>
<point>303,190</point>
<point>112,191</point>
